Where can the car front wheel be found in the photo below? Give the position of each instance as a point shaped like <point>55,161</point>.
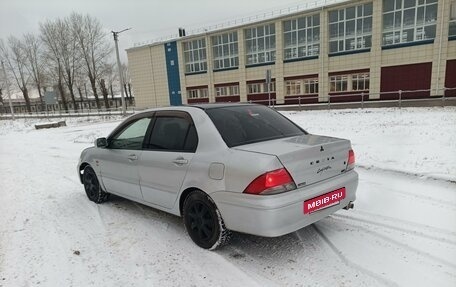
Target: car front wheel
<point>203,221</point>
<point>92,186</point>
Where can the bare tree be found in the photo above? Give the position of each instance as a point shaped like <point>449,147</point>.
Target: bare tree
<point>111,76</point>
<point>80,81</point>
<point>104,92</point>
<point>126,79</point>
<point>15,61</point>
<point>69,55</point>
<point>49,36</point>
<point>93,45</point>
<point>33,53</point>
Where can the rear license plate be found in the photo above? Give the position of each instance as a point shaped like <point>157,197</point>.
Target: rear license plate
<point>324,200</point>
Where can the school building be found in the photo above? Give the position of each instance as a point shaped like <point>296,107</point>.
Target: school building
<point>372,49</point>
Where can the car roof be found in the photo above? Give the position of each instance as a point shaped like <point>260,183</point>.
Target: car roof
<point>203,107</point>
<point>220,105</point>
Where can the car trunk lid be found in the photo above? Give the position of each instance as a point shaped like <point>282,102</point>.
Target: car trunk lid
<point>308,158</point>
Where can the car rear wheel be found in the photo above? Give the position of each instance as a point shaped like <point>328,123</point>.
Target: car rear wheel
<point>203,221</point>
<point>92,186</point>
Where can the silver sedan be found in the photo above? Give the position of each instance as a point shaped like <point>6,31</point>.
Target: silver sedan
<point>223,167</point>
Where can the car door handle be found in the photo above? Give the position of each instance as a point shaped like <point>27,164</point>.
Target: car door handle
<point>132,157</point>
<point>180,161</point>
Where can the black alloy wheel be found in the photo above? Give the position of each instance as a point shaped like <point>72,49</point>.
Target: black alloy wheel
<point>92,186</point>
<point>203,221</point>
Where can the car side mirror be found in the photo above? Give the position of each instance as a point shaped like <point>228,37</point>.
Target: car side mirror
<point>101,142</point>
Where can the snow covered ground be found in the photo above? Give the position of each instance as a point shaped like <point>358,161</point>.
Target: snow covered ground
<point>402,231</point>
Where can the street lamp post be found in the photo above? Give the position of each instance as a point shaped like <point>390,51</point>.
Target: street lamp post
<point>116,40</point>
<point>8,91</point>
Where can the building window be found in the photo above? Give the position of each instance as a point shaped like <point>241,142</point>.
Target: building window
<point>301,37</point>
<point>195,56</point>
<point>272,87</point>
<point>338,83</point>
<point>452,29</point>
<point>360,82</point>
<point>348,83</point>
<point>232,90</point>
<point>350,28</point>
<point>197,93</point>
<point>293,88</point>
<point>408,20</point>
<point>254,88</point>
<point>225,50</point>
<point>260,44</point>
<point>311,86</point>
<point>302,87</point>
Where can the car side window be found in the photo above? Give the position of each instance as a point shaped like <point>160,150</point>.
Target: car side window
<point>132,136</point>
<point>173,133</point>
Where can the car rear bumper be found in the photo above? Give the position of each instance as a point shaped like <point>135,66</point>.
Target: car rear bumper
<point>276,215</point>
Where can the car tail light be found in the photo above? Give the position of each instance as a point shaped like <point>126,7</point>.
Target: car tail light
<point>351,160</point>
<point>272,182</point>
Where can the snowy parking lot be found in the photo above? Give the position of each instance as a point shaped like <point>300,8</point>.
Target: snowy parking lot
<point>402,231</point>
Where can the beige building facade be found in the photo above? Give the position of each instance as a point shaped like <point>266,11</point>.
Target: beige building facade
<point>374,50</point>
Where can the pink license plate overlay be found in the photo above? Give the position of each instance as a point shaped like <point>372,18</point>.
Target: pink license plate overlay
<point>324,200</point>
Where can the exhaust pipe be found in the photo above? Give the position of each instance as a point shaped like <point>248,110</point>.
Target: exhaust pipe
<point>349,205</point>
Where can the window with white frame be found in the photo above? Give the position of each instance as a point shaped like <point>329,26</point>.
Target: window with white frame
<point>260,44</point>
<point>197,93</point>
<point>301,37</point>
<point>350,28</point>
<point>232,90</point>
<point>311,86</point>
<point>225,51</point>
<point>452,28</point>
<point>302,87</point>
<point>254,88</point>
<point>360,82</point>
<point>195,56</point>
<point>272,87</point>
<point>408,20</point>
<point>338,83</point>
<point>293,88</point>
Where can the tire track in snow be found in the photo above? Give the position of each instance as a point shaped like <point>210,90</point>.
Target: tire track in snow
<point>351,264</point>
<point>403,246</point>
<point>427,198</point>
<point>405,173</point>
<point>406,222</point>
<point>401,229</point>
<point>259,278</point>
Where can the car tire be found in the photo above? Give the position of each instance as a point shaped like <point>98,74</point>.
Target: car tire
<point>92,186</point>
<point>203,221</point>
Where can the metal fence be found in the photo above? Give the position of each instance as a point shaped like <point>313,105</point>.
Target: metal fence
<point>447,96</point>
<point>347,100</point>
<point>69,113</point>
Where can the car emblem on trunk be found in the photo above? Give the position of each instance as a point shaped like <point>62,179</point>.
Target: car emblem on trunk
<point>320,170</point>
<point>321,148</point>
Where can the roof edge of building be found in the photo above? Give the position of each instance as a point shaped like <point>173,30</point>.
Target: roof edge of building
<point>217,31</point>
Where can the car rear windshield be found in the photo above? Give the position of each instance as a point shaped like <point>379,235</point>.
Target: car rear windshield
<point>239,125</point>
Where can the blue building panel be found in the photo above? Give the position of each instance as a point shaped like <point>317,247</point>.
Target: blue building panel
<point>172,69</point>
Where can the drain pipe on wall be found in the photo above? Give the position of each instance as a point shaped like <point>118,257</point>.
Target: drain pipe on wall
<point>440,50</point>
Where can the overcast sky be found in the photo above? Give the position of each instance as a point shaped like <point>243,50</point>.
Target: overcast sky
<point>149,19</point>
